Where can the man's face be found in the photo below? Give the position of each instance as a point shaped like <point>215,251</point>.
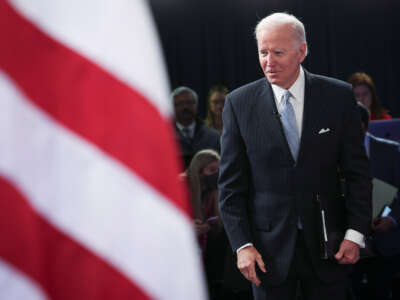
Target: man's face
<point>280,55</point>
<point>185,108</point>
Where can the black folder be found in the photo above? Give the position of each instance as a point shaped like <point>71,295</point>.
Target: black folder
<point>332,222</point>
<point>331,217</point>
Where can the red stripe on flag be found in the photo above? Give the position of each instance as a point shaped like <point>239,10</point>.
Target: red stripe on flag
<point>91,102</point>
<point>61,266</point>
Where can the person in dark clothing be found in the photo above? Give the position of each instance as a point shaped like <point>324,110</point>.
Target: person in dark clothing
<point>191,132</point>
<point>372,277</point>
<point>284,138</point>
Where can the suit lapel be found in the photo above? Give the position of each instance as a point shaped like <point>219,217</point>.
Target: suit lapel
<point>313,105</point>
<point>267,112</point>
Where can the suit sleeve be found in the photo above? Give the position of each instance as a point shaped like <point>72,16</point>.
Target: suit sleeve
<point>234,180</point>
<point>355,166</point>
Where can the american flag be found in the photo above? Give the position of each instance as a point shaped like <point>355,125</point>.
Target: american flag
<point>91,206</point>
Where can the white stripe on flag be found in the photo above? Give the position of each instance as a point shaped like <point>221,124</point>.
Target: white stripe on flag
<point>117,35</point>
<point>16,286</point>
<point>97,201</point>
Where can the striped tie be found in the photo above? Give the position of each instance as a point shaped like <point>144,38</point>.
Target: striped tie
<point>290,125</point>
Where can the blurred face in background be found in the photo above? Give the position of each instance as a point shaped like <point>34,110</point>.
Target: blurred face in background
<point>185,108</point>
<point>210,169</point>
<point>209,175</point>
<point>217,101</point>
<point>280,54</point>
<point>363,94</point>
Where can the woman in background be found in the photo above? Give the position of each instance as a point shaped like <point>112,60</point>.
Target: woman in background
<point>202,175</point>
<point>365,92</point>
<point>223,278</point>
<point>216,101</point>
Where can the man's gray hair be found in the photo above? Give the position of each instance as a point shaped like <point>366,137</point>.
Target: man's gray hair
<point>278,19</point>
<point>184,89</point>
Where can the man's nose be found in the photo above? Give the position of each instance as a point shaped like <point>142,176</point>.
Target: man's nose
<point>270,61</point>
<point>186,104</point>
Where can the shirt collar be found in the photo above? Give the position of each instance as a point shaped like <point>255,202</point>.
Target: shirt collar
<point>296,90</point>
<point>190,127</point>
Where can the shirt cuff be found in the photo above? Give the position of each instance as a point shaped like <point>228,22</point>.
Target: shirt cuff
<point>356,237</point>
<point>244,246</point>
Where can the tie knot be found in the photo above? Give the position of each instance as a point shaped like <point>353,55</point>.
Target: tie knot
<point>186,132</point>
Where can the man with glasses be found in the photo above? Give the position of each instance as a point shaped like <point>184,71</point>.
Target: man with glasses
<point>193,135</point>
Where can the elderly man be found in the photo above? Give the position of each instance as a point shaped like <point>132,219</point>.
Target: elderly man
<point>193,135</point>
<point>284,140</point>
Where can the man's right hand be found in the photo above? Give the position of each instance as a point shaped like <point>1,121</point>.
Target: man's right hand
<point>246,260</point>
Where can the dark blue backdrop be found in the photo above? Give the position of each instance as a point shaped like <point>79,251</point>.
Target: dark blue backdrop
<point>209,42</point>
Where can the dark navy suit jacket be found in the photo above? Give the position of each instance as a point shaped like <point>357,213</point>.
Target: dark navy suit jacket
<point>263,191</point>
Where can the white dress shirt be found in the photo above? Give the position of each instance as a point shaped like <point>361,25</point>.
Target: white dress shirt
<point>191,129</point>
<point>296,98</point>
<point>297,101</point>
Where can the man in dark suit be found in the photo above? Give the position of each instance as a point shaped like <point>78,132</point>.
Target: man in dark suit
<point>284,140</point>
<point>192,133</point>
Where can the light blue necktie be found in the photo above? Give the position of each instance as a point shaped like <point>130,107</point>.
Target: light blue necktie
<point>186,134</point>
<point>289,125</point>
<point>290,128</point>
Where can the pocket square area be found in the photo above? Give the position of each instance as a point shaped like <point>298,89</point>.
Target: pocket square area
<point>324,130</point>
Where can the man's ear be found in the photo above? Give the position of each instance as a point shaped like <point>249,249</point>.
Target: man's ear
<point>303,51</point>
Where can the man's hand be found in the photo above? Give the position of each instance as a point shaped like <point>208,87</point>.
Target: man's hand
<point>349,253</point>
<point>382,224</point>
<point>246,259</point>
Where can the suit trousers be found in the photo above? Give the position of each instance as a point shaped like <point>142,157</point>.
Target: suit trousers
<point>303,280</point>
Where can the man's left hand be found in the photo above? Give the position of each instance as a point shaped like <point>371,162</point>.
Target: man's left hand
<point>349,253</point>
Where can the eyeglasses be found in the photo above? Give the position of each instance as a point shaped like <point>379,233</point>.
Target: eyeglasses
<point>185,103</point>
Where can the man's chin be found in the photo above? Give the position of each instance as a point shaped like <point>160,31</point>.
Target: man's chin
<point>273,79</point>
